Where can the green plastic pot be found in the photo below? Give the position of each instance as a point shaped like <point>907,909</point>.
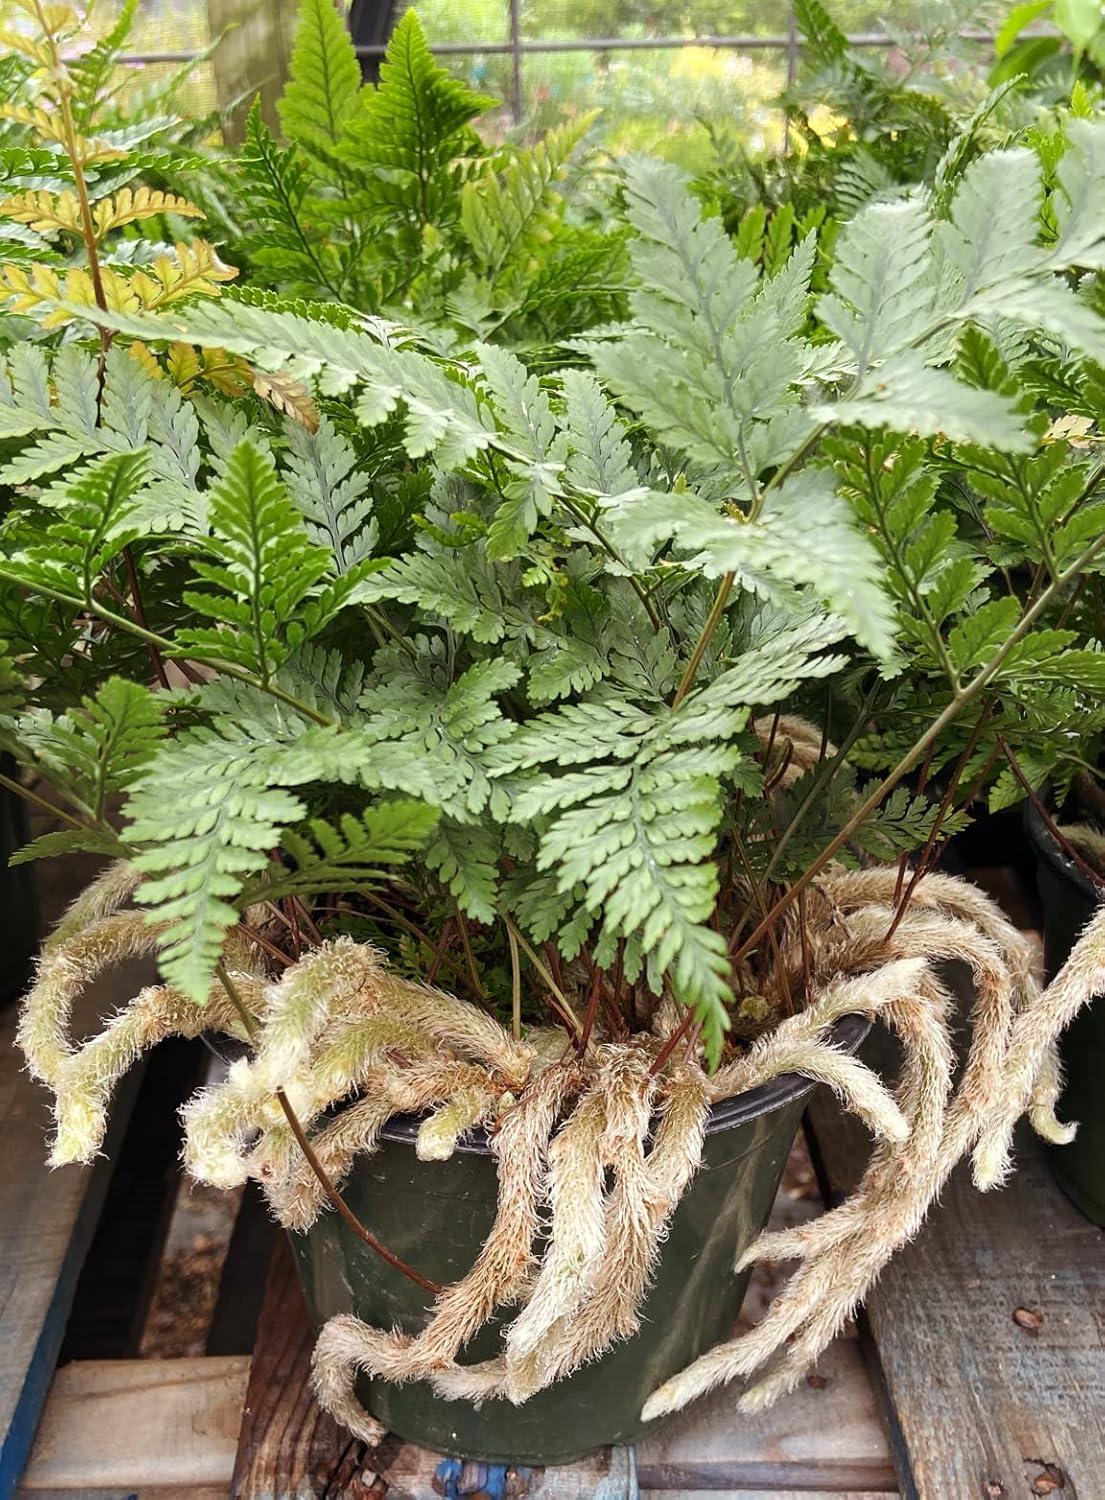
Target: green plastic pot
<point>436,1215</point>
<point>1069,900</point>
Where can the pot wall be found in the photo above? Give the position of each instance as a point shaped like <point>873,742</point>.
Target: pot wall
<point>1069,901</point>
<point>436,1215</point>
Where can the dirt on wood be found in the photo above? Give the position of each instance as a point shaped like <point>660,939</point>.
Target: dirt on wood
<point>188,1281</point>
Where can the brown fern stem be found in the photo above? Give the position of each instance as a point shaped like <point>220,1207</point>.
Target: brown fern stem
<point>925,858</point>
<point>1047,820</point>
<point>965,696</point>
<point>672,1042</point>
<point>335,1198</point>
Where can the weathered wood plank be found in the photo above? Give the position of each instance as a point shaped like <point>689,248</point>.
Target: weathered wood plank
<point>120,1426</point>
<point>743,1494</point>
<point>158,1492</point>
<point>828,1434</point>
<point>823,1436</point>
<point>981,1406</point>
<point>47,1219</point>
<point>288,1448</point>
<point>415,1474</point>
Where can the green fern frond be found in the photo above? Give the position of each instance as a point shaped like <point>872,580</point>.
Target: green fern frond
<point>460,588</point>
<point>600,460</point>
<point>208,811</point>
<point>498,207</point>
<point>94,74</point>
<point>803,538</point>
<point>282,242</point>
<point>465,858</point>
<point>403,137</point>
<point>903,824</point>
<point>459,724</point>
<point>712,361</point>
<point>213,805</point>
<point>442,414</point>
<point>324,680</point>
<point>33,169</point>
<point>525,412</point>
<point>329,487</point>
<point>820,30</point>
<point>882,281</point>
<point>642,853</point>
<point>347,856</point>
<point>324,78</point>
<point>266,568</point>
<point>99,748</point>
<point>97,522</point>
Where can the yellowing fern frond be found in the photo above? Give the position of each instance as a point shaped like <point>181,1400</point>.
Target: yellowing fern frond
<point>43,292</point>
<point>37,290</point>
<point>132,204</point>
<point>191,270</point>
<point>186,365</point>
<point>57,20</point>
<point>32,47</point>
<point>49,126</point>
<point>289,396</point>
<point>44,211</point>
<point>145,356</point>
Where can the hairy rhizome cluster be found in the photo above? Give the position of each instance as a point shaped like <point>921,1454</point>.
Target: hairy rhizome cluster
<point>523,650</point>
<point>594,1144</point>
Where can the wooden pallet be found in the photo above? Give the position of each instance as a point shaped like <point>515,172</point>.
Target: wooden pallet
<point>47,1220</point>
<point>978,1372</point>
<point>945,1394</point>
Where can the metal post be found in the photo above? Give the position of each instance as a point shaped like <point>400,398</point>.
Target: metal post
<point>370,24</point>
<point>517,99</point>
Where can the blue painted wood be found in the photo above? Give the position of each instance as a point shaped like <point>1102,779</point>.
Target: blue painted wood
<point>47,1220</point>
<point>611,1475</point>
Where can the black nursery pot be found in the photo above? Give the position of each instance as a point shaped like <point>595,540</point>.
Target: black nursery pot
<point>1069,901</point>
<point>436,1215</point>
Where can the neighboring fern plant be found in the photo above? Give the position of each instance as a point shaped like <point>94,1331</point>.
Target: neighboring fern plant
<point>387,197</point>
<point>863,126</point>
<point>425,613</point>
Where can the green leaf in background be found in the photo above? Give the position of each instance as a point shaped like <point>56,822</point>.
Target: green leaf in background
<point>1078,20</point>
<point>1016,21</point>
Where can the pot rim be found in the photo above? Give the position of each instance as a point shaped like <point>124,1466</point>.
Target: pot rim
<point>847,1035</point>
<point>1061,862</point>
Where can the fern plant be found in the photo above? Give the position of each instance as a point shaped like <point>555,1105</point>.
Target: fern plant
<point>386,197</point>
<point>601,674</point>
<point>862,127</point>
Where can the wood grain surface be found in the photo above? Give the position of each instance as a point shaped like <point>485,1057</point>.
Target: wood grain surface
<point>47,1219</point>
<point>123,1426</point>
<point>828,1437</point>
<point>989,1331</point>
